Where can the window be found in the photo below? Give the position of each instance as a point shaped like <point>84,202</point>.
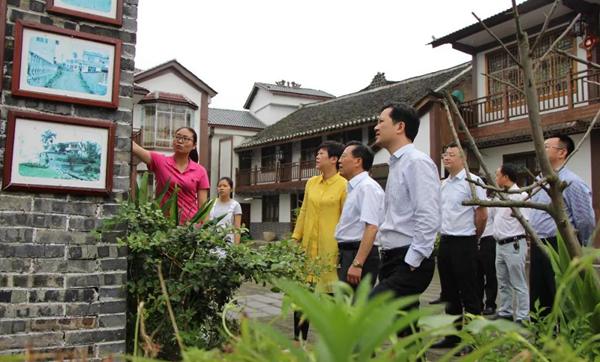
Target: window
<point>308,148</point>
<point>245,160</point>
<point>270,208</point>
<point>551,76</point>
<point>267,157</point>
<point>523,161</point>
<point>161,120</point>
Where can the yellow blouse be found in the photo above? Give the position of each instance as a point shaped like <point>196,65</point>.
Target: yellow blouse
<point>315,226</point>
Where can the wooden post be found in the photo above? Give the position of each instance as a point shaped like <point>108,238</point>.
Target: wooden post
<point>569,90</point>
<point>505,104</point>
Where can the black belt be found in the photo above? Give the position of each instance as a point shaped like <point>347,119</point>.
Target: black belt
<point>349,245</point>
<point>390,253</point>
<point>511,239</point>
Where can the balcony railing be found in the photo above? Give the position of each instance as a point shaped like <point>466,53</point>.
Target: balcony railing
<point>284,172</point>
<point>562,93</point>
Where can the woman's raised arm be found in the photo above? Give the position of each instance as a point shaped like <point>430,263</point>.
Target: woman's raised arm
<point>142,153</point>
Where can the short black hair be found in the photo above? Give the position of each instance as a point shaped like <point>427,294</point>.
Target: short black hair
<point>402,112</point>
<point>567,143</point>
<point>452,145</point>
<point>510,170</point>
<point>334,149</point>
<point>364,152</point>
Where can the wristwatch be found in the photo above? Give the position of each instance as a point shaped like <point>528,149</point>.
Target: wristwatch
<point>356,264</point>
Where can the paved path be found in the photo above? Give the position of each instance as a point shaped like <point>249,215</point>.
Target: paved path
<point>260,303</point>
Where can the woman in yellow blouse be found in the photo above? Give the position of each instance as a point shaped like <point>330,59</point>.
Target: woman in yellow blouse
<point>324,197</point>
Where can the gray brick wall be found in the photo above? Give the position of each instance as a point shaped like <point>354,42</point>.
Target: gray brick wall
<point>61,289</point>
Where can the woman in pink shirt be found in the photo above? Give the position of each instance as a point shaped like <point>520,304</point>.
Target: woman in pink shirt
<point>181,169</point>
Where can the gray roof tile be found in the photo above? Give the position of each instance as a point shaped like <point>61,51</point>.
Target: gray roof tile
<point>353,109</point>
<point>233,118</point>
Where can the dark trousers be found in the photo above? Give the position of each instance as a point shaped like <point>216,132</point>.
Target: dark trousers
<point>542,286</point>
<point>457,262</point>
<point>347,253</point>
<point>395,275</point>
<point>487,283</point>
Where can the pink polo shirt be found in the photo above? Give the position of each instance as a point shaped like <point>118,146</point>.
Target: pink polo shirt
<point>190,181</point>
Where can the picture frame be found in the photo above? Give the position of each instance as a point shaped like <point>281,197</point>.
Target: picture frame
<point>3,10</point>
<point>58,154</point>
<point>102,11</point>
<point>66,66</point>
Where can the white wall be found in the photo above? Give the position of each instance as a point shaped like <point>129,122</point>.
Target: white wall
<point>581,163</point>
<point>274,112</point>
<point>423,139</point>
<point>172,83</point>
<point>285,207</point>
<point>256,210</point>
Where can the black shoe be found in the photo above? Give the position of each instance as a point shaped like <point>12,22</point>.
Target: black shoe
<point>489,311</point>
<point>447,342</point>
<point>437,301</point>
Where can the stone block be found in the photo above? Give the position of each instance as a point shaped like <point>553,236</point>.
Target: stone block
<point>114,279</point>
<point>82,280</point>
<point>112,292</point>
<point>101,335</point>
<point>113,264</point>
<point>63,324</point>
<point>112,321</point>
<point>16,235</point>
<point>21,341</point>
<point>49,236</point>
<point>14,265</point>
<point>48,281</point>
<point>83,252</point>
<point>111,307</point>
<point>15,203</point>
<point>50,266</point>
<point>12,326</point>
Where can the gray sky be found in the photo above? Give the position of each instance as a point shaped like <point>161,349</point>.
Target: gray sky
<point>333,45</point>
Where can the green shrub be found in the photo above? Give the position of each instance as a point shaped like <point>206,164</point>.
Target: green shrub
<point>201,269</point>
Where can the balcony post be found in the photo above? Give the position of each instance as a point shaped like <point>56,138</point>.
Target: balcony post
<point>569,90</point>
<point>505,104</point>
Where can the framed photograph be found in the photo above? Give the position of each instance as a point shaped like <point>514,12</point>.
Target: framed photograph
<point>104,11</point>
<point>48,153</point>
<point>66,66</point>
<point>3,10</point>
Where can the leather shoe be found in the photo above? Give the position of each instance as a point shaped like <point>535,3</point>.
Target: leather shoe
<point>436,301</point>
<point>488,311</point>
<point>447,342</point>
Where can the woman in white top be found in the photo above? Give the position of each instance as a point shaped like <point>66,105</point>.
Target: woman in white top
<point>225,205</point>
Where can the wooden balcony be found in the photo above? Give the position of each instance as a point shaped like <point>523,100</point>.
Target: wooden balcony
<point>561,94</point>
<point>281,176</point>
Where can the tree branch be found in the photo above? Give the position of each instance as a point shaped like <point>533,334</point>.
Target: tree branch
<point>507,191</point>
<point>514,59</point>
<point>558,207</point>
<point>508,203</point>
<point>448,100</point>
<point>463,155</point>
<point>556,41</point>
<point>577,59</point>
<point>544,27</point>
<point>585,135</point>
<point>504,82</point>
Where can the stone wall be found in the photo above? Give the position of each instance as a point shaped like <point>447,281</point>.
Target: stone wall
<point>60,287</point>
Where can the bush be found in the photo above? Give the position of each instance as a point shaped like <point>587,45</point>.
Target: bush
<point>201,269</point>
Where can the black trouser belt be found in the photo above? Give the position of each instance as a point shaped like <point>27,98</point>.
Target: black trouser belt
<point>511,239</point>
<point>349,245</point>
<point>390,253</point>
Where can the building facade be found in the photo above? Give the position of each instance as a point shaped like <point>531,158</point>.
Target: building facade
<point>275,164</point>
<point>569,91</point>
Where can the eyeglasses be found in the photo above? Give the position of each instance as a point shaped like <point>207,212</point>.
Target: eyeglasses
<point>555,147</point>
<point>183,139</point>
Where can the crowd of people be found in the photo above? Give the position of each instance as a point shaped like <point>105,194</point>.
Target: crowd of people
<point>355,228</point>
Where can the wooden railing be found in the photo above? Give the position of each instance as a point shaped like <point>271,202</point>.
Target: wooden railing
<point>555,94</point>
<point>284,172</point>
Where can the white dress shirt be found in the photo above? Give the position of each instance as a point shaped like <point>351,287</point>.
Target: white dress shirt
<point>363,205</point>
<point>489,225</point>
<point>506,225</point>
<point>459,220</point>
<point>412,205</point>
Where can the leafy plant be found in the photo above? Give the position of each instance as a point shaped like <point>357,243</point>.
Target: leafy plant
<point>201,269</point>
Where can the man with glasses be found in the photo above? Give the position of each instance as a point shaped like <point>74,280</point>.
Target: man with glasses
<point>578,200</point>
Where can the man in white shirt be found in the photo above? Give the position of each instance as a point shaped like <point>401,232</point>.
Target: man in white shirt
<point>411,215</point>
<point>358,223</point>
<point>510,252</point>
<point>461,228</point>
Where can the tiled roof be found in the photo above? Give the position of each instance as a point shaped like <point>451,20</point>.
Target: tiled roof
<point>356,108</point>
<point>168,98</point>
<point>233,118</point>
<point>297,91</point>
<point>178,68</point>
